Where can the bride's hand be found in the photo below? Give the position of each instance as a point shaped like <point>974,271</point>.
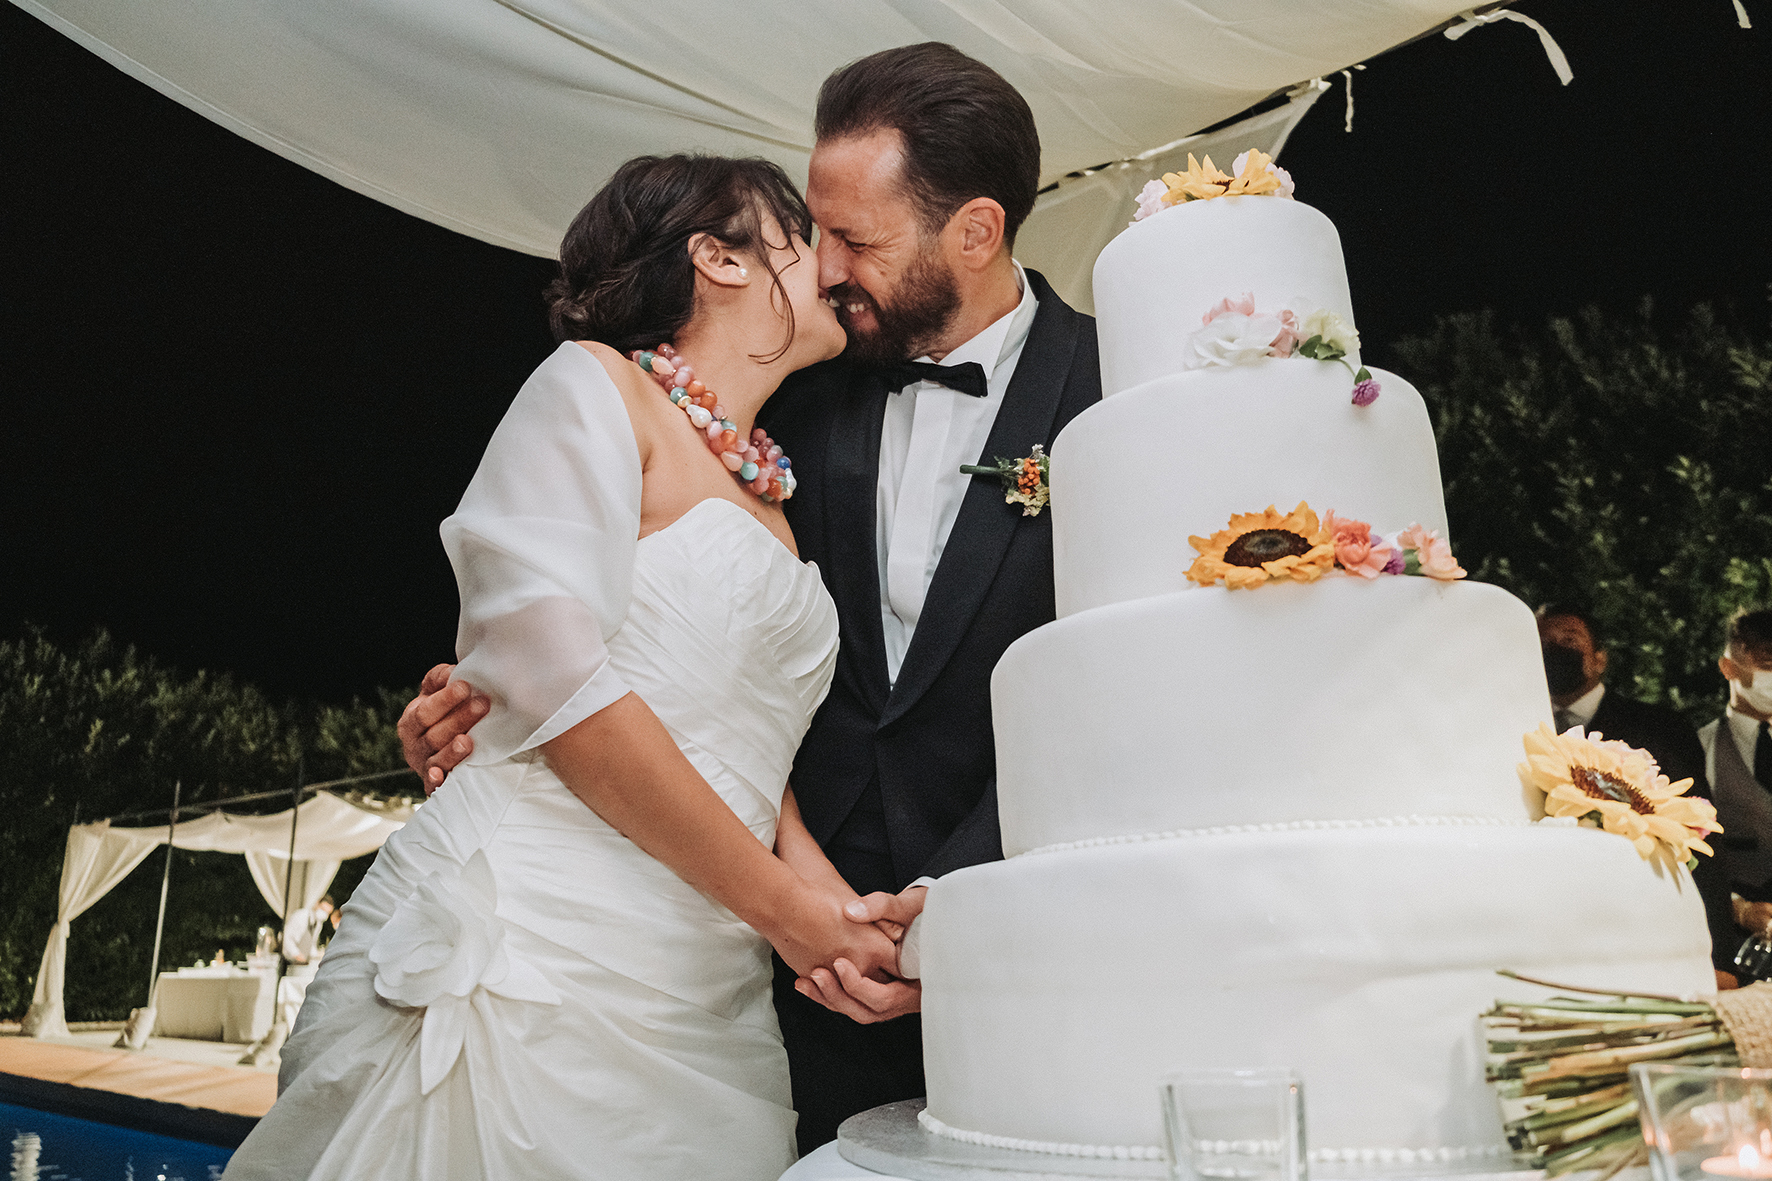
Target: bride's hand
<point>816,934</point>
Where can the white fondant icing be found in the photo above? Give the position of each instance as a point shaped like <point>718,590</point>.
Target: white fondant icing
<point>1343,699</point>
<point>1059,988</point>
<point>1133,477</point>
<point>1290,826</point>
<point>1160,276</point>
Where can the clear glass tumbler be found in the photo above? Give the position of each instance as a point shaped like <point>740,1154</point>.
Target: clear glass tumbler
<point>1244,1125</point>
<point>1705,1122</point>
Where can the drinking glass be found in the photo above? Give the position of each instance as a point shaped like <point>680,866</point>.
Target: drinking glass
<point>1705,1122</point>
<point>1244,1125</point>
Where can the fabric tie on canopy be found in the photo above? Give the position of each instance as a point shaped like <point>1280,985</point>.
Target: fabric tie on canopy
<point>329,829</point>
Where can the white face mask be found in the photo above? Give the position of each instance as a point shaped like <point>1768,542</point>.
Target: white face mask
<point>1758,693</point>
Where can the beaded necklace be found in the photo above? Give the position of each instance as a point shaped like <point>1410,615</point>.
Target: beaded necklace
<point>759,464</point>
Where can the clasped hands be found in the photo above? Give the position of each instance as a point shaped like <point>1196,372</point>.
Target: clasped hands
<point>842,966</point>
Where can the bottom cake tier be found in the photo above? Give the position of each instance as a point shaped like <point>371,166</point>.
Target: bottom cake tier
<point>1059,987</point>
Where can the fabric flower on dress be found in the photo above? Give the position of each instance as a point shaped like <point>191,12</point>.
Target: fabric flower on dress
<point>1356,550</point>
<point>441,951</point>
<point>1620,789</point>
<point>1255,547</point>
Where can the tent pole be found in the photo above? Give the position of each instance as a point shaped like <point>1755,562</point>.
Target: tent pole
<point>165,880</point>
<point>289,869</point>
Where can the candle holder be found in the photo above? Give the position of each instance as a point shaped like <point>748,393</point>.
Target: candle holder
<point>1234,1125</point>
<point>1702,1123</point>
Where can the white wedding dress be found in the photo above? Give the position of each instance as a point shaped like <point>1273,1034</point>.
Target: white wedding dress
<point>517,990</point>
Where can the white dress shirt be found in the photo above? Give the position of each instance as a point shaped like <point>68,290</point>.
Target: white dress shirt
<point>1581,711</point>
<point>928,432</point>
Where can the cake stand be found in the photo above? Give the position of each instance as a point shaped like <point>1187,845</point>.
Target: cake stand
<point>889,1140</point>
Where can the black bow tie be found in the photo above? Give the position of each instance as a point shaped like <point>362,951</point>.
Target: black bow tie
<point>967,377</point>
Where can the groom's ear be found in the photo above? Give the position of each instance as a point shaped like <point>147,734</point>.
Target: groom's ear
<point>977,229</point>
<point>717,262</point>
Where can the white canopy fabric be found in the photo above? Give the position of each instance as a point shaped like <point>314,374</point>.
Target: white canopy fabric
<point>499,118</point>
<point>328,829</point>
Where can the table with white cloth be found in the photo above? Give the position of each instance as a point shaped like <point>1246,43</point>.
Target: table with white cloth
<point>215,1004</point>
<point>827,1164</point>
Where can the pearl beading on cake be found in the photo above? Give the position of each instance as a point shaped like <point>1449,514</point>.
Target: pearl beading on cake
<point>1368,1156</point>
<point>1051,1148</point>
<point>1283,826</point>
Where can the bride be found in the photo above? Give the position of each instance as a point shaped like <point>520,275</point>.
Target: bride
<point>525,986</point>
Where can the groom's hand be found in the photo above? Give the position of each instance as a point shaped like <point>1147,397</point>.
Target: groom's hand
<point>434,725</point>
<point>844,990</point>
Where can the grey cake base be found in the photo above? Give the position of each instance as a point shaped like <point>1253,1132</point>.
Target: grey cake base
<point>890,1140</point>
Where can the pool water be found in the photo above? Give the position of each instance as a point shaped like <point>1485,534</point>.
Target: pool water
<point>47,1147</point>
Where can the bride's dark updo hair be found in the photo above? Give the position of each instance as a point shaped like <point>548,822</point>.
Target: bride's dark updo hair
<point>625,274</point>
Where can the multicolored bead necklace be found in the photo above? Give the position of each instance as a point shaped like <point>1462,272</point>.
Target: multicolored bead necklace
<point>759,464</point>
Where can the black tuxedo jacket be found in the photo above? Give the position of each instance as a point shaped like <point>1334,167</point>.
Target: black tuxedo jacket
<point>926,741</point>
<point>1669,738</point>
<point>1673,743</point>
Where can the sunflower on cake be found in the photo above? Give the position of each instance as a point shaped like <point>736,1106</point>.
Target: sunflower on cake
<point>1257,782</point>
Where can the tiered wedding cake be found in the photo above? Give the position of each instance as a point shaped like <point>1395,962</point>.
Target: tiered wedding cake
<point>1278,826</point>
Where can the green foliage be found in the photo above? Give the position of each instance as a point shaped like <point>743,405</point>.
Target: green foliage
<point>99,730</point>
<point>1617,465</point>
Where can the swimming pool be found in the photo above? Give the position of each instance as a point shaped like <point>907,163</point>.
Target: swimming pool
<point>48,1147</point>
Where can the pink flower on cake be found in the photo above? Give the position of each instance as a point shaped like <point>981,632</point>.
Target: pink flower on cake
<point>1356,550</point>
<point>1289,334</point>
<point>1150,200</point>
<point>1431,552</point>
<point>1366,392</point>
<point>1243,305</point>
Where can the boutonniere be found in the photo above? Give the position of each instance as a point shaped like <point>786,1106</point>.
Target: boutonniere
<point>1024,480</point>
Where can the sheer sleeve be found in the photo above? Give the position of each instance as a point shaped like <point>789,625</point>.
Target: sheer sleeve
<point>543,548</point>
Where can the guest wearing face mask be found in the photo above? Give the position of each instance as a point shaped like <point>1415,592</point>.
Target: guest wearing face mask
<point>1575,668</point>
<point>1738,759</point>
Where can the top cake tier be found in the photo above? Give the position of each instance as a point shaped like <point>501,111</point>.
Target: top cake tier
<point>1157,279</point>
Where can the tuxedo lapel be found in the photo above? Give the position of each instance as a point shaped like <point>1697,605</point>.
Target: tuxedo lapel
<point>850,485</point>
<point>986,525</point>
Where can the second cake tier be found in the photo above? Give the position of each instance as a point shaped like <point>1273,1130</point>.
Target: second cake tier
<point>1343,699</point>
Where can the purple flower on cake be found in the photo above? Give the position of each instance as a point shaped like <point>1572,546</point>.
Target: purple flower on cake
<point>1396,563</point>
<point>1150,199</point>
<point>1279,174</point>
<point>1366,392</point>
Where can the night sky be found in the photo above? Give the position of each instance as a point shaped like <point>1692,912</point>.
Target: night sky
<point>239,398</point>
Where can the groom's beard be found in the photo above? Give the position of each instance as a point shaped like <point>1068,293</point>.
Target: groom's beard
<point>921,309</point>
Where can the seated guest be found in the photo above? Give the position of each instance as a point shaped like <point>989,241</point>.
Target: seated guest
<point>1738,760</point>
<point>1575,668</point>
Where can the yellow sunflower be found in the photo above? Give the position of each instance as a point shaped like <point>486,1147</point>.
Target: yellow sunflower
<point>1255,179</point>
<point>1622,788</point>
<point>1259,546</point>
<point>1198,183</point>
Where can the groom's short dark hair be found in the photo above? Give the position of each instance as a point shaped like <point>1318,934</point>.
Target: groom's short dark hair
<point>967,132</point>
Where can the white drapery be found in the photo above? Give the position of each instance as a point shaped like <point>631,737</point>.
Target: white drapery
<point>499,118</point>
<point>328,829</point>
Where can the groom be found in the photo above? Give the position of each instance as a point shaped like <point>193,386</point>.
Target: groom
<point>926,164</point>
